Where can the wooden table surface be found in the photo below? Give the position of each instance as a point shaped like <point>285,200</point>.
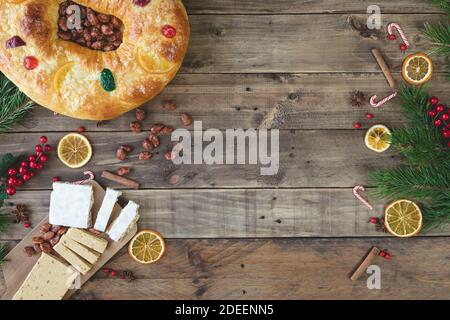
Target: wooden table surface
<point>233,234</point>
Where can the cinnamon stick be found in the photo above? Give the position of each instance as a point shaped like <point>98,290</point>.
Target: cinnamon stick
<point>382,63</point>
<point>120,180</point>
<point>373,253</point>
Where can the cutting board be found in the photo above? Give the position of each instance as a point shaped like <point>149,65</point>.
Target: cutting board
<point>18,265</point>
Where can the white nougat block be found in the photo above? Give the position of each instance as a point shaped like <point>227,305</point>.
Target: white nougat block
<point>71,204</point>
<point>104,214</point>
<point>124,222</point>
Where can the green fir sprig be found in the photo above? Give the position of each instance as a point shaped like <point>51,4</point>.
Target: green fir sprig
<point>3,253</point>
<point>14,104</point>
<point>425,176</point>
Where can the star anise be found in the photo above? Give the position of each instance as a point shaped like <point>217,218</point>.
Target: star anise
<point>357,98</point>
<point>127,275</point>
<point>21,214</point>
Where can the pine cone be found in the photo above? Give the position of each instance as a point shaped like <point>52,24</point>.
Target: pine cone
<point>357,98</point>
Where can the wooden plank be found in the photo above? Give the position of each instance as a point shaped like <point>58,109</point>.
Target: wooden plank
<point>312,6</point>
<point>296,43</point>
<point>221,101</point>
<point>322,158</point>
<point>280,269</point>
<point>248,213</point>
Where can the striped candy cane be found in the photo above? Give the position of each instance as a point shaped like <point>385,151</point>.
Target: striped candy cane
<point>378,104</point>
<point>90,175</point>
<point>397,27</point>
<point>356,191</point>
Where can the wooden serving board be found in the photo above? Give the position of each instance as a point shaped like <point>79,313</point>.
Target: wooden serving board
<point>18,265</point>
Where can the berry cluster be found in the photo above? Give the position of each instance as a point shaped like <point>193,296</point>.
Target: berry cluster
<point>403,47</point>
<point>17,177</point>
<point>384,254</point>
<point>441,117</point>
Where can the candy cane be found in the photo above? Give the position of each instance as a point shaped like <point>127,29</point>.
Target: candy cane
<point>86,173</point>
<point>378,104</point>
<point>396,26</point>
<point>360,198</point>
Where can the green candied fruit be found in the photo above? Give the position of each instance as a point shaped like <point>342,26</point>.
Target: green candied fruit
<point>107,80</point>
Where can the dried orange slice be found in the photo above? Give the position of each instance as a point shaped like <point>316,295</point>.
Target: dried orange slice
<point>152,63</point>
<point>403,218</point>
<point>378,138</point>
<point>417,68</point>
<point>61,74</point>
<point>74,150</point>
<point>147,247</point>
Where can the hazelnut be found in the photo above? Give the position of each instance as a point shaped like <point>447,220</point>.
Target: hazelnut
<point>37,248</point>
<point>147,144</point>
<point>54,241</point>
<point>156,129</point>
<point>127,148</point>
<point>170,105</point>
<point>61,231</point>
<point>167,130</point>
<point>186,119</point>
<point>140,114</point>
<point>56,228</point>
<point>38,240</point>
<point>49,235</point>
<point>121,154</point>
<point>154,140</point>
<point>46,227</point>
<point>123,171</point>
<point>135,127</point>
<point>145,155</point>
<point>46,247</point>
<point>29,251</point>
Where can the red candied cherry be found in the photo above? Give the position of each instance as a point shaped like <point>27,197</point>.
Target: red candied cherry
<point>357,125</point>
<point>392,37</point>
<point>369,115</point>
<point>141,3</point>
<point>47,148</point>
<point>403,47</point>
<point>56,179</point>
<point>22,170</point>
<point>10,191</point>
<point>437,122</point>
<point>44,158</point>
<point>440,108</point>
<point>434,100</point>
<point>43,139</point>
<point>30,63</point>
<point>26,177</point>
<point>169,31</point>
<point>11,181</point>
<point>432,113</point>
<point>12,172</point>
<point>24,164</point>
<point>32,158</point>
<point>445,117</point>
<point>38,148</point>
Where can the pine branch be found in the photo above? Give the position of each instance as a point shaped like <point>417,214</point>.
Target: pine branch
<point>439,36</point>
<point>3,253</point>
<point>444,4</point>
<point>14,104</point>
<point>5,221</point>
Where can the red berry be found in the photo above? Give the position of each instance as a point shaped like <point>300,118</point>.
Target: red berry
<point>31,173</point>
<point>369,115</point>
<point>47,148</point>
<point>106,270</point>
<point>19,182</point>
<point>440,108</point>
<point>27,225</point>
<point>437,122</point>
<point>39,166</point>
<point>382,253</point>
<point>43,139</point>
<point>434,100</point>
<point>373,220</point>
<point>32,159</point>
<point>113,273</point>
<point>392,37</point>
<point>22,170</point>
<point>24,164</point>
<point>32,164</point>
<point>446,134</point>
<point>56,179</point>
<point>388,256</point>
<point>445,116</point>
<point>30,63</point>
<point>432,113</point>
<point>44,158</point>
<point>357,125</point>
<point>403,47</point>
<point>81,129</point>
<point>10,191</point>
<point>38,149</point>
<point>169,31</point>
<point>448,144</point>
<point>12,172</point>
<point>26,177</point>
<point>11,181</point>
